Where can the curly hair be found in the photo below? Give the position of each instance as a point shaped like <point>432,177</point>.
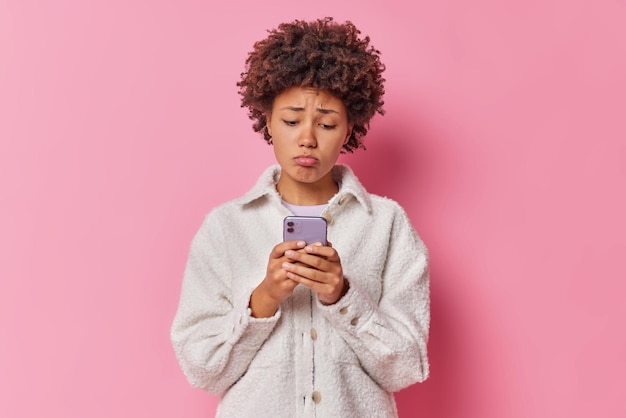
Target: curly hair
<point>320,54</point>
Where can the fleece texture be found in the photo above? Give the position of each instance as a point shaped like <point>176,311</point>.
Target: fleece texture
<point>308,360</point>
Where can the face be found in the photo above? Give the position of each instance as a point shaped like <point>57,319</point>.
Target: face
<point>309,128</point>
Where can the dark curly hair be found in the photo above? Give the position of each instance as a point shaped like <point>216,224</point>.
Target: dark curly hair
<point>320,54</point>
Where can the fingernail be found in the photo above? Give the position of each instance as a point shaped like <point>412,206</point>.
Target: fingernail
<point>290,253</point>
<point>301,244</point>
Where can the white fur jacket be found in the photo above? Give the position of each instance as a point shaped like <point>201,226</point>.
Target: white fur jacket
<point>308,360</point>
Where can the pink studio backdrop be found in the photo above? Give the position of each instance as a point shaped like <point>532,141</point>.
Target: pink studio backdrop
<point>504,139</point>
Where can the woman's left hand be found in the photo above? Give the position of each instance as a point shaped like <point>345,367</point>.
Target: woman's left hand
<point>318,267</point>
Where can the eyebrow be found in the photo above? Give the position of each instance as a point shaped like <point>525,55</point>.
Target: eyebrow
<point>301,109</point>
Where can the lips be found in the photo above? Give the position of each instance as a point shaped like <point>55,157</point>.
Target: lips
<point>306,160</point>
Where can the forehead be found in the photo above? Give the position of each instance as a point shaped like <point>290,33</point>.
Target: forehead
<point>307,97</point>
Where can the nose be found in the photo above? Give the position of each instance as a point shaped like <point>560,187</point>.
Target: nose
<point>307,136</point>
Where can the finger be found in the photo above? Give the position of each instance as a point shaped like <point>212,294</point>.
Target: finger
<point>279,250</point>
<point>299,271</point>
<point>294,254</point>
<point>314,285</point>
<point>328,292</point>
<point>326,252</point>
<point>309,260</point>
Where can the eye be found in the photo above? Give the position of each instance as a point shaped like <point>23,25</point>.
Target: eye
<point>327,127</point>
<point>290,122</point>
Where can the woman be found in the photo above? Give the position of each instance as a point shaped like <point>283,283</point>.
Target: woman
<point>315,330</point>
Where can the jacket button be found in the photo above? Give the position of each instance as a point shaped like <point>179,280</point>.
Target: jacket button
<point>313,334</point>
<point>342,200</point>
<point>317,397</point>
<point>343,311</point>
<point>354,321</point>
<point>329,218</point>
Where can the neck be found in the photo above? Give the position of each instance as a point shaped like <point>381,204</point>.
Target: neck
<point>307,194</point>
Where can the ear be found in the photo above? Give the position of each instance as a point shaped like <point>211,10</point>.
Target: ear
<point>349,134</point>
<point>268,123</point>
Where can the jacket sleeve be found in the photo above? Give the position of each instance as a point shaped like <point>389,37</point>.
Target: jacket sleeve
<point>214,336</point>
<point>389,336</point>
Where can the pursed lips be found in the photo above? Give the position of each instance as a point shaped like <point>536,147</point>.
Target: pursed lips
<point>306,160</point>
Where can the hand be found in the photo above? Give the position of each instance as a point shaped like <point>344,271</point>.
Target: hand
<point>318,267</point>
<point>276,286</point>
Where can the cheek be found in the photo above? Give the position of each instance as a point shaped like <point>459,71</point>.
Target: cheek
<point>280,136</point>
<point>280,144</point>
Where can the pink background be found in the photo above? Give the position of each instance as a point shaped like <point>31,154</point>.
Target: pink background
<point>505,140</point>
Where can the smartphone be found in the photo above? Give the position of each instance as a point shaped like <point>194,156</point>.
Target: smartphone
<point>309,229</point>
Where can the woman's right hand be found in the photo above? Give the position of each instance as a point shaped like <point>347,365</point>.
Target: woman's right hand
<point>276,286</point>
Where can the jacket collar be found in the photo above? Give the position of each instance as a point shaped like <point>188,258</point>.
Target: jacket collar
<point>343,175</point>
